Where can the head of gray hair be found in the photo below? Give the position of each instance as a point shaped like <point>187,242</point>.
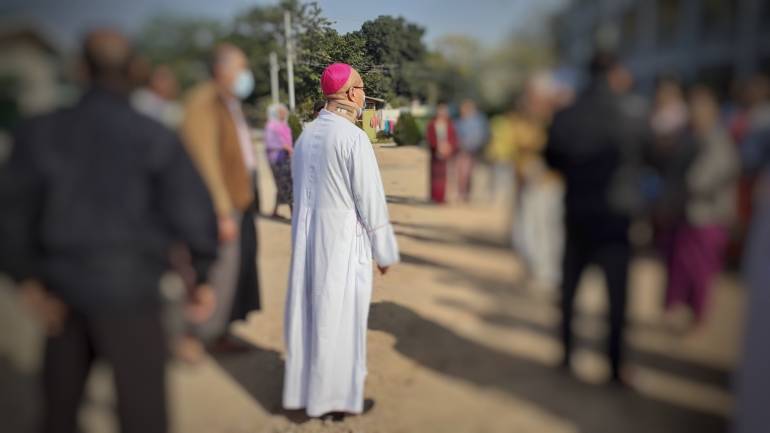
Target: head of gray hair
<point>274,112</point>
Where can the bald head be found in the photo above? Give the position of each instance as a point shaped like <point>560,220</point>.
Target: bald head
<point>351,94</point>
<point>353,81</point>
<point>107,56</point>
<point>226,62</point>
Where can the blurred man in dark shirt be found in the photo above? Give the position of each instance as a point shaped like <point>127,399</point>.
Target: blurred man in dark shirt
<point>93,198</point>
<point>587,144</point>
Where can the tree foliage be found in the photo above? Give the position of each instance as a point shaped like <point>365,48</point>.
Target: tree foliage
<point>396,48</point>
<point>407,132</point>
<point>388,51</point>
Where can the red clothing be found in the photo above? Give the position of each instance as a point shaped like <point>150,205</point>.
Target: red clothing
<point>438,164</point>
<point>694,259</point>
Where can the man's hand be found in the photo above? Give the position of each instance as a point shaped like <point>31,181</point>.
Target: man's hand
<point>383,269</point>
<point>48,309</point>
<point>228,229</point>
<point>201,304</point>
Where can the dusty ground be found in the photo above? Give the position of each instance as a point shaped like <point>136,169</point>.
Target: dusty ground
<point>456,344</point>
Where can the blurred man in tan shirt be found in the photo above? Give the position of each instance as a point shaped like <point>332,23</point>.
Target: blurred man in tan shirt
<point>219,140</point>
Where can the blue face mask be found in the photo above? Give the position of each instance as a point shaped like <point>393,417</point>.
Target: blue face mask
<point>243,84</point>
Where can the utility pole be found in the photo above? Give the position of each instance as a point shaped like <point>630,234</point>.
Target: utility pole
<point>289,58</point>
<point>274,76</point>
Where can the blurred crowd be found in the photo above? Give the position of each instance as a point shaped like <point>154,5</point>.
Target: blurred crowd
<point>128,225</point>
<point>602,173</point>
<point>94,197</point>
<point>681,164</point>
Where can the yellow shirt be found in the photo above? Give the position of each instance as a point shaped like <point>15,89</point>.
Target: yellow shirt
<point>502,143</point>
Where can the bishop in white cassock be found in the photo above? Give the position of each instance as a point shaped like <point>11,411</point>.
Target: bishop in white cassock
<point>340,224</point>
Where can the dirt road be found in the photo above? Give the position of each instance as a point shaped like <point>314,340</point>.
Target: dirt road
<point>457,344</point>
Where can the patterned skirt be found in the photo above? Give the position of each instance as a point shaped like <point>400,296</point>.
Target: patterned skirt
<point>283,183</point>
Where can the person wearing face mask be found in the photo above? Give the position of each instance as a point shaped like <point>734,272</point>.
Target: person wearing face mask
<point>340,225</point>
<point>219,140</point>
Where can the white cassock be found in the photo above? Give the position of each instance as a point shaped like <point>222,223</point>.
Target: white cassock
<point>340,223</point>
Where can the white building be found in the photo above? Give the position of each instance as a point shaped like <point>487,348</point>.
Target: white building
<point>715,41</point>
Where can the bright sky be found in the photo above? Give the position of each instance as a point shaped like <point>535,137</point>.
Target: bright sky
<point>489,21</point>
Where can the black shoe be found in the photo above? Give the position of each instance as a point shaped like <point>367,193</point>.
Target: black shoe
<point>340,416</point>
<point>368,406</point>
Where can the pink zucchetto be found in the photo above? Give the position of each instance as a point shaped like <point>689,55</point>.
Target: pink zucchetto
<point>334,78</point>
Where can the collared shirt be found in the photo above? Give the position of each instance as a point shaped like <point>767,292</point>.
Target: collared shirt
<point>244,133</point>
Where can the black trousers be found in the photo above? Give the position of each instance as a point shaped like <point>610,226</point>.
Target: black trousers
<point>133,344</point>
<point>247,295</point>
<point>604,242</point>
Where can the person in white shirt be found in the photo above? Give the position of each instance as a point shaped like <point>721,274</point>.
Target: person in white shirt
<point>158,98</point>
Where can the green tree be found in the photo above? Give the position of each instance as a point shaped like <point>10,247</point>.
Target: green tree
<point>182,44</point>
<point>396,49</point>
<point>407,132</point>
<point>388,52</point>
<point>260,30</point>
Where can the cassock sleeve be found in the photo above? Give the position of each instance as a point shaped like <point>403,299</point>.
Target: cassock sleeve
<point>371,205</point>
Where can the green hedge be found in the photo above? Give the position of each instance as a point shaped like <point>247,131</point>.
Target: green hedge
<point>407,132</point>
<point>295,125</point>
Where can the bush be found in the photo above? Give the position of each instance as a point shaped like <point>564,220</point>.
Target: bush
<point>407,132</point>
<point>295,125</point>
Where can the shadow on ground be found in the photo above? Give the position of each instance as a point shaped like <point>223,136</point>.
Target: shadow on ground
<point>452,236</point>
<point>505,291</point>
<point>694,371</point>
<point>592,409</point>
<point>259,372</point>
<point>275,218</point>
<point>414,201</point>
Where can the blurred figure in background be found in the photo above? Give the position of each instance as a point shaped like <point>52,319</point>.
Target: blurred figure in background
<point>755,151</point>
<point>635,184</point>
<point>585,143</point>
<point>753,375</point>
<point>501,152</point>
<point>757,120</point>
<point>219,140</point>
<point>155,95</point>
<point>698,241</point>
<point>539,226</point>
<point>442,139</point>
<point>279,147</point>
<point>100,193</point>
<point>472,134</point>
<point>157,99</point>
<point>669,156</point>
